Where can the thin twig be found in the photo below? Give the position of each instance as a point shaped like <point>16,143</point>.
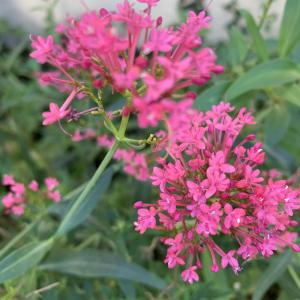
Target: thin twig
<point>43,289</point>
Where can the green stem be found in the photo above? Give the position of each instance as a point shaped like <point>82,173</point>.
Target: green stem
<point>109,155</point>
<point>119,135</point>
<point>133,141</point>
<point>267,7</point>
<point>110,124</point>
<point>123,127</point>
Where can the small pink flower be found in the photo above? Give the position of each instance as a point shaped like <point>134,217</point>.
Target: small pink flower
<point>172,260</point>
<point>215,181</point>
<point>54,115</point>
<point>18,189</point>
<point>228,259</point>
<point>257,155</point>
<point>158,177</point>
<point>8,200</point>
<point>43,47</point>
<point>250,178</point>
<point>51,183</point>
<point>8,180</point>
<point>33,185</point>
<point>54,195</point>
<point>160,40</point>
<point>247,250</point>
<point>196,191</point>
<point>60,28</point>
<point>167,202</point>
<point>175,244</point>
<point>104,141</point>
<point>189,275</point>
<point>126,80</point>
<point>217,162</point>
<point>77,136</point>
<point>18,210</point>
<point>166,221</point>
<point>268,247</point>
<point>214,268</point>
<point>234,217</point>
<point>146,219</point>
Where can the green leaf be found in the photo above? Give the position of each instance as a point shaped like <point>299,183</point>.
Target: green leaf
<point>91,200</point>
<point>127,288</point>
<point>206,291</point>
<point>272,73</point>
<point>211,96</point>
<point>291,94</point>
<point>217,283</point>
<point>276,125</point>
<point>289,35</point>
<point>91,263</point>
<point>281,157</point>
<point>272,274</point>
<point>237,45</point>
<point>22,259</point>
<point>289,283</point>
<point>259,44</point>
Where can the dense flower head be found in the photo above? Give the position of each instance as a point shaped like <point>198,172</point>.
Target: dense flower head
<point>211,186</point>
<point>147,61</point>
<point>18,194</point>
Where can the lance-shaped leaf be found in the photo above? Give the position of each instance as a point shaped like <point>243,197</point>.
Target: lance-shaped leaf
<point>259,44</point>
<point>90,201</point>
<point>272,73</point>
<point>272,274</point>
<point>23,259</point>
<point>92,263</point>
<point>289,35</point>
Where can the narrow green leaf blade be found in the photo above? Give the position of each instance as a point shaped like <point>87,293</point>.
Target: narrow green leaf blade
<point>272,274</point>
<point>259,44</point>
<point>91,200</point>
<point>289,35</point>
<point>22,259</point>
<point>269,74</point>
<point>238,46</point>
<point>91,263</point>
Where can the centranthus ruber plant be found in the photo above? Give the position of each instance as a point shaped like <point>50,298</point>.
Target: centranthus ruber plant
<point>210,188</point>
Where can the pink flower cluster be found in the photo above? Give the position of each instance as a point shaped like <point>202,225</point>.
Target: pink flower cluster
<point>151,63</point>
<point>14,201</point>
<point>211,186</point>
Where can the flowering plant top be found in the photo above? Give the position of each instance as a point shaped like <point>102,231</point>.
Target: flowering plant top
<point>130,53</point>
<point>207,176</point>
